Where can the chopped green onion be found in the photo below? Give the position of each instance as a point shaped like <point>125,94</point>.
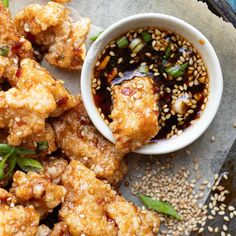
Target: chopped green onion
<point>5,3</point>
<point>28,164</point>
<point>94,38</point>
<point>41,146</point>
<point>134,43</point>
<point>167,54</point>
<point>4,51</point>
<point>146,37</point>
<point>176,71</point>
<point>143,70</point>
<point>122,42</point>
<point>138,48</point>
<point>159,206</point>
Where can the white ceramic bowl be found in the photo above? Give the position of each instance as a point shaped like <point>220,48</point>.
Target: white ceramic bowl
<point>188,32</point>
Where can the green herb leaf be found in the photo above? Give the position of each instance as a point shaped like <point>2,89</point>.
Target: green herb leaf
<point>167,54</point>
<point>176,71</point>
<point>159,206</point>
<point>11,164</point>
<point>5,148</point>
<point>3,163</point>
<point>28,164</point>
<point>41,146</point>
<point>94,38</point>
<point>24,151</point>
<point>4,51</point>
<point>5,3</point>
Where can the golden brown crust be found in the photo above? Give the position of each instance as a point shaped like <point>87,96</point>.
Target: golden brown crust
<point>37,190</point>
<point>111,214</point>
<point>134,113</point>
<point>34,97</point>
<point>79,139</point>
<point>54,167</point>
<point>18,220</point>
<point>19,48</point>
<point>51,26</point>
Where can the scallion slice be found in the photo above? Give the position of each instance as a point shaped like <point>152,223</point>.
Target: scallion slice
<point>146,37</point>
<point>94,38</point>
<point>5,3</point>
<point>4,51</point>
<point>122,42</point>
<point>138,48</point>
<point>176,71</point>
<point>134,43</point>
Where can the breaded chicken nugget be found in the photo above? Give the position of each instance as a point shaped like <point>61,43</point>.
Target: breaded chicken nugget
<point>92,208</point>
<point>16,220</point>
<point>134,113</point>
<point>35,97</point>
<point>78,139</point>
<point>12,46</point>
<point>49,26</point>
<point>37,190</point>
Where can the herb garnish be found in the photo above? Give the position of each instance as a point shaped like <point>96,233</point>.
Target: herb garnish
<point>12,156</point>
<point>176,71</point>
<point>4,51</point>
<point>5,3</point>
<point>41,146</point>
<point>159,206</point>
<point>94,38</point>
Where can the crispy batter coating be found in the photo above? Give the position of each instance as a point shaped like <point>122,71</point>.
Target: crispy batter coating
<point>16,220</point>
<point>111,214</point>
<point>59,229</point>
<point>54,167</point>
<point>43,230</point>
<point>46,135</point>
<point>51,26</point>
<point>37,190</point>
<point>36,95</point>
<point>17,46</point>
<point>134,113</point>
<point>79,139</point>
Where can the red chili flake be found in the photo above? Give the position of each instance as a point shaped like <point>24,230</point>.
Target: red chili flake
<point>126,184</point>
<point>62,101</point>
<point>21,123</point>
<point>15,49</point>
<point>18,72</point>
<point>127,91</point>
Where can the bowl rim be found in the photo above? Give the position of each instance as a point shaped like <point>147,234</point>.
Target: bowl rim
<point>99,123</point>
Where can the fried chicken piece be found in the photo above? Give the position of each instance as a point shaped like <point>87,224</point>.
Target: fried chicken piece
<point>54,167</point>
<point>134,113</point>
<point>37,190</point>
<point>12,46</point>
<point>111,214</point>
<point>51,26</point>
<point>77,137</point>
<point>16,220</point>
<point>35,97</point>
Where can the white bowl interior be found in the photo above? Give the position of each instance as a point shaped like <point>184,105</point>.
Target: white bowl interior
<point>191,34</point>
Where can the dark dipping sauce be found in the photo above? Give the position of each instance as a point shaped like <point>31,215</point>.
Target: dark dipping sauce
<point>178,71</point>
